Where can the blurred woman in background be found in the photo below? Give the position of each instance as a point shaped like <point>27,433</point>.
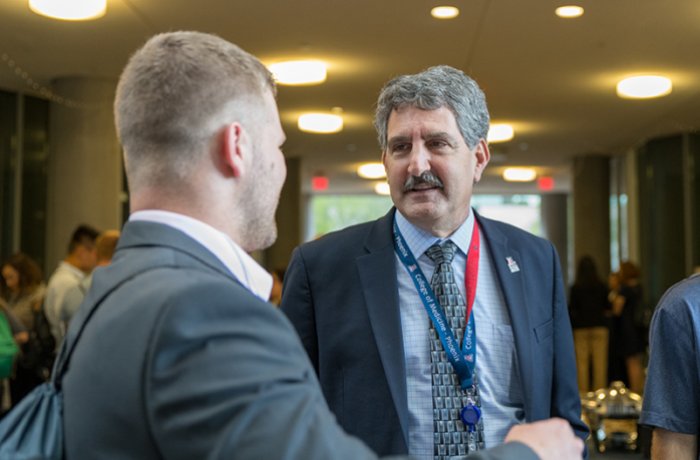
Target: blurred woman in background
<point>22,289</point>
<point>588,307</point>
<point>628,344</point>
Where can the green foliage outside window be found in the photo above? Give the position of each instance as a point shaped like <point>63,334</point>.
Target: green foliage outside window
<point>333,212</point>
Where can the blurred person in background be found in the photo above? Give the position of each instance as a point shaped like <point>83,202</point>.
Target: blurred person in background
<point>105,244</point>
<point>277,280</point>
<point>588,307</point>
<point>626,344</point>
<point>81,259</point>
<point>12,335</point>
<point>22,289</point>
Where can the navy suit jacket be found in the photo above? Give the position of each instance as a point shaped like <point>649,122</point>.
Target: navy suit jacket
<point>341,294</point>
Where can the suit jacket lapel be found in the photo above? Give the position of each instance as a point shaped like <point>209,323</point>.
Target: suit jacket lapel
<point>377,275</point>
<point>516,302</point>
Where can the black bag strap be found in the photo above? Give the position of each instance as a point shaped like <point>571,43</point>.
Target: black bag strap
<point>71,340</point>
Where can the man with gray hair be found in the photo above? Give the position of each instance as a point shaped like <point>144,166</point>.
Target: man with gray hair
<point>394,313</point>
<point>176,353</point>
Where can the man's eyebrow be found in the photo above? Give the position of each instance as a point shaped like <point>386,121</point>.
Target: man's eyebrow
<point>399,138</point>
<point>439,134</point>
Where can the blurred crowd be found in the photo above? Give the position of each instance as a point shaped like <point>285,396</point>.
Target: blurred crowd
<point>610,325</point>
<point>34,314</point>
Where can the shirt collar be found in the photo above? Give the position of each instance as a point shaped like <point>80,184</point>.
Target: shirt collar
<point>418,240</point>
<point>239,263</point>
<point>72,268</point>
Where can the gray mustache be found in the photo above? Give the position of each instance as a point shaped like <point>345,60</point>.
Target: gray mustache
<point>426,177</point>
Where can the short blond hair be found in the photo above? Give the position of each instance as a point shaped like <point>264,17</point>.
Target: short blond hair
<point>171,97</point>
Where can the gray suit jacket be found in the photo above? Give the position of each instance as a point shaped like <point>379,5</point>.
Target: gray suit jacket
<point>180,361</point>
<point>341,294</point>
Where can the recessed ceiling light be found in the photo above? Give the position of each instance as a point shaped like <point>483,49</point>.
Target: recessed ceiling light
<point>644,87</point>
<point>500,132</point>
<point>299,72</point>
<point>569,11</point>
<point>519,174</point>
<point>371,171</point>
<point>444,12</point>
<point>382,188</point>
<point>69,10</point>
<point>323,123</point>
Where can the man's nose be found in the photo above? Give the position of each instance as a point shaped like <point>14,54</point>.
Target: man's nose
<point>419,161</point>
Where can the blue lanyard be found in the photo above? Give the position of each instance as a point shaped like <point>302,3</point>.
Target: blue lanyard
<point>463,361</point>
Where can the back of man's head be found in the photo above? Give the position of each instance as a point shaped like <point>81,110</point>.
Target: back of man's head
<point>174,96</point>
<point>106,243</point>
<point>81,248</point>
<point>83,235</point>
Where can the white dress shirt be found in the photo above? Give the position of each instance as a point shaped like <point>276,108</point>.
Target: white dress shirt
<point>243,267</point>
<point>62,280</point>
<point>496,364</point>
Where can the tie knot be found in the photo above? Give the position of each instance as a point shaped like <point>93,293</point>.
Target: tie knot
<point>442,254</point>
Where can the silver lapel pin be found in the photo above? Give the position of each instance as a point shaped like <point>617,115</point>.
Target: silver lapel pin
<point>512,265</point>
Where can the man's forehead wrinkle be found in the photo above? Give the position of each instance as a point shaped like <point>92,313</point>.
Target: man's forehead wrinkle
<point>424,135</point>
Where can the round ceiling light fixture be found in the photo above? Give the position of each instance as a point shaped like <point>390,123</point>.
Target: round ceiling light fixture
<point>500,132</point>
<point>297,73</point>
<point>382,188</point>
<point>371,171</point>
<point>69,10</point>
<point>444,12</point>
<point>323,123</point>
<point>644,87</point>
<point>519,174</point>
<point>569,11</point>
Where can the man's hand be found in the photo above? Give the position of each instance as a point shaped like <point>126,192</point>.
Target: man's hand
<point>551,439</point>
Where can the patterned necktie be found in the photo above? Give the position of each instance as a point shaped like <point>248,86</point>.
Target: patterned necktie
<point>450,437</point>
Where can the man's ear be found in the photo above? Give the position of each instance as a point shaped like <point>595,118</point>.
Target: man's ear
<point>235,148</point>
<point>483,155</point>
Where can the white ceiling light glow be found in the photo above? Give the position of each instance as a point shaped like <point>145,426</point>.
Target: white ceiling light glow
<point>371,171</point>
<point>569,11</point>
<point>500,132</point>
<point>299,72</point>
<point>382,188</point>
<point>69,10</point>
<point>323,123</point>
<point>444,12</point>
<point>644,87</point>
<point>519,174</point>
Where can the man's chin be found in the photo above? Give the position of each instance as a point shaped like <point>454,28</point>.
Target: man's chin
<point>266,240</point>
<point>261,239</point>
<point>418,213</point>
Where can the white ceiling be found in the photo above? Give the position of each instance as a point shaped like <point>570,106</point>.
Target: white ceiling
<point>553,79</point>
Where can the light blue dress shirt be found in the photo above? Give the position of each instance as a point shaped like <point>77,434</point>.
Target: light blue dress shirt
<point>497,366</point>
